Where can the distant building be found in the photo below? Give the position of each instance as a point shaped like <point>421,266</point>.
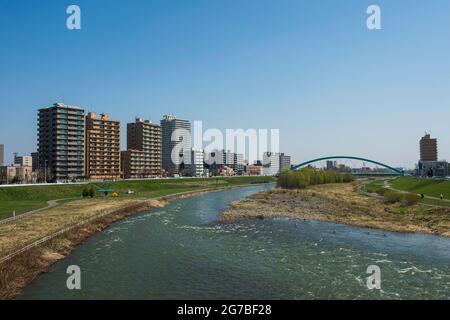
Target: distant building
<point>343,168</point>
<point>430,169</point>
<point>253,170</point>
<point>23,161</point>
<point>61,147</point>
<point>35,160</point>
<point>102,147</point>
<point>429,166</point>
<point>196,166</point>
<point>219,159</point>
<point>25,174</point>
<point>271,163</point>
<point>285,162</point>
<point>176,142</point>
<point>7,174</point>
<point>428,148</point>
<point>2,154</point>
<point>215,161</point>
<point>143,157</point>
<point>229,158</point>
<point>239,163</point>
<point>16,174</point>
<point>226,171</point>
<point>331,165</point>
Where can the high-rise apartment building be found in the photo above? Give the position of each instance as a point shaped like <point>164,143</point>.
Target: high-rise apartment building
<point>61,136</point>
<point>102,147</point>
<point>176,144</point>
<point>428,149</point>
<point>2,155</point>
<point>142,159</point>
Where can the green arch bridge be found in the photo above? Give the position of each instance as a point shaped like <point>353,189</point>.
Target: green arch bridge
<point>395,171</point>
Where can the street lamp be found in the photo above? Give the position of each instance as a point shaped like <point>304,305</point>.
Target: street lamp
<point>45,171</point>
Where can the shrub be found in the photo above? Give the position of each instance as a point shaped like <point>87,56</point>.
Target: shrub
<point>289,179</point>
<point>91,192</point>
<point>347,177</point>
<point>85,193</point>
<point>410,199</point>
<point>303,180</point>
<point>381,191</point>
<point>392,196</point>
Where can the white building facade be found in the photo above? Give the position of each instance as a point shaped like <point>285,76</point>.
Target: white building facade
<point>271,163</point>
<point>197,169</point>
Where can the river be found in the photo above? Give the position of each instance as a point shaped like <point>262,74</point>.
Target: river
<point>181,252</point>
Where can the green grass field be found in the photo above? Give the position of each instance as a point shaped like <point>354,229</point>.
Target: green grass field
<point>373,186</point>
<point>24,199</point>
<point>429,187</point>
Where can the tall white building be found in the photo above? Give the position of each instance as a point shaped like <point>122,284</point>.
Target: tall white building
<point>271,163</point>
<point>196,165</point>
<point>176,143</point>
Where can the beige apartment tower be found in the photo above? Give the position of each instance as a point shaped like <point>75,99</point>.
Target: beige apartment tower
<point>102,147</point>
<point>142,159</point>
<point>428,148</point>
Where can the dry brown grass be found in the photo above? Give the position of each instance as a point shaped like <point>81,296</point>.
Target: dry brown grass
<point>16,273</point>
<point>17,234</point>
<point>341,203</point>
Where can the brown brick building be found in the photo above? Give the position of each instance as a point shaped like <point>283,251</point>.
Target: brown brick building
<point>428,148</point>
<point>102,147</point>
<point>142,159</point>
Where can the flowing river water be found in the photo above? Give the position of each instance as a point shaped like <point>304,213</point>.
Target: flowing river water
<point>181,252</point>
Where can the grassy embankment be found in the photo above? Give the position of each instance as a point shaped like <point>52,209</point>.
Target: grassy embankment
<point>429,187</point>
<point>24,199</point>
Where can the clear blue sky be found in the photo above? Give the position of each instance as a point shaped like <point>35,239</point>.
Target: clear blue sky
<point>310,68</point>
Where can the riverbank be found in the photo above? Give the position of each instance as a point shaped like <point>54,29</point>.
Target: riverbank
<point>33,244</point>
<point>431,189</point>
<point>341,203</point>
<point>22,199</point>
